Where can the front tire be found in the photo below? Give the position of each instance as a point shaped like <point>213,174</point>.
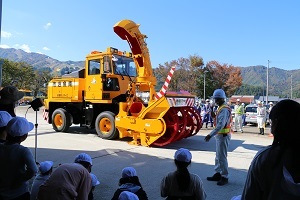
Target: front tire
<point>105,126</point>
<point>61,120</point>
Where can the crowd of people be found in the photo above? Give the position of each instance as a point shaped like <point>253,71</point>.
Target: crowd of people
<point>275,170</point>
<point>205,111</point>
<point>273,174</point>
<point>239,114</point>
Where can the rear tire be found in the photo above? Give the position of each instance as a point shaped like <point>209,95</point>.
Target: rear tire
<point>105,126</point>
<point>61,120</point>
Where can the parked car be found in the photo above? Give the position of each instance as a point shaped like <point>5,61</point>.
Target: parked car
<point>251,114</point>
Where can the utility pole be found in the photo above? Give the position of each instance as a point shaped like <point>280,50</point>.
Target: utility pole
<point>204,95</point>
<point>291,86</point>
<point>267,92</point>
<point>0,18</point>
<point>1,62</point>
<point>204,87</point>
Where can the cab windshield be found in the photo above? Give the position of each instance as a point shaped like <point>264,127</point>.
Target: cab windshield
<point>28,93</point>
<point>251,109</point>
<point>124,66</point>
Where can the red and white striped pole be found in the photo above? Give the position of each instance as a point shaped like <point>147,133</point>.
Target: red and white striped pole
<point>164,88</point>
<point>45,115</point>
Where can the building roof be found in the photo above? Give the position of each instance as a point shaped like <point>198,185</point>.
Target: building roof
<point>270,98</point>
<point>243,98</point>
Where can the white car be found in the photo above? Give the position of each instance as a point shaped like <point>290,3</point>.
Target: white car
<point>251,114</point>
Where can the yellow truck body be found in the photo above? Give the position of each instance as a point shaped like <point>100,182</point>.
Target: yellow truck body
<point>115,94</point>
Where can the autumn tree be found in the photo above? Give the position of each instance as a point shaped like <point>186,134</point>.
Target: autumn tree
<point>227,77</point>
<point>185,75</point>
<point>161,73</point>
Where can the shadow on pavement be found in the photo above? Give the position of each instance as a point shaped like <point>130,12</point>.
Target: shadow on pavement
<point>107,166</point>
<point>197,143</point>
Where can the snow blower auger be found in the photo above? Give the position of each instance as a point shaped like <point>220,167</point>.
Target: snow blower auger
<point>150,118</point>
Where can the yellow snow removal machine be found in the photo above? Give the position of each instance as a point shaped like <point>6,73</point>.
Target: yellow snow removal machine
<point>115,94</point>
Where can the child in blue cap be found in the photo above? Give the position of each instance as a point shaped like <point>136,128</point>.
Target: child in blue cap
<point>45,170</point>
<point>19,167</point>
<point>5,117</point>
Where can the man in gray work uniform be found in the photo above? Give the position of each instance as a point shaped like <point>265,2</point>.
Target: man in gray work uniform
<point>222,123</point>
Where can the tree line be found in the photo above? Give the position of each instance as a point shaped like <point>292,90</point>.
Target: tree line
<point>24,76</point>
<point>189,75</point>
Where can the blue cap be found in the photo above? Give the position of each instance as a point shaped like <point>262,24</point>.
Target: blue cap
<point>183,155</point>
<point>83,157</point>
<point>128,172</point>
<point>45,166</point>
<point>95,180</point>
<point>5,117</point>
<point>18,126</point>
<point>126,195</point>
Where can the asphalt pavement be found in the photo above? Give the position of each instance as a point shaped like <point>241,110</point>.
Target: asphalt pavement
<point>152,163</point>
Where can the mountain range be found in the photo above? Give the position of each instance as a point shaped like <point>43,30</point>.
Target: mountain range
<point>281,82</point>
<point>38,60</point>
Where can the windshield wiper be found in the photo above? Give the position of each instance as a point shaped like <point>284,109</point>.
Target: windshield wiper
<point>119,74</point>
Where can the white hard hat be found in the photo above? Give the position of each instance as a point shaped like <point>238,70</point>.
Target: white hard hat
<point>271,103</point>
<point>238,100</point>
<point>219,93</point>
<point>259,102</point>
<point>207,100</point>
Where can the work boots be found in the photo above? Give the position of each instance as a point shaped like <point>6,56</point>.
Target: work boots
<point>215,177</point>
<point>222,181</point>
<point>261,131</point>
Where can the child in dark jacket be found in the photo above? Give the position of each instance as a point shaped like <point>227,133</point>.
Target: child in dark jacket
<point>130,182</point>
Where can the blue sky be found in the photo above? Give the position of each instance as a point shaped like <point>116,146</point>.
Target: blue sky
<point>238,32</point>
